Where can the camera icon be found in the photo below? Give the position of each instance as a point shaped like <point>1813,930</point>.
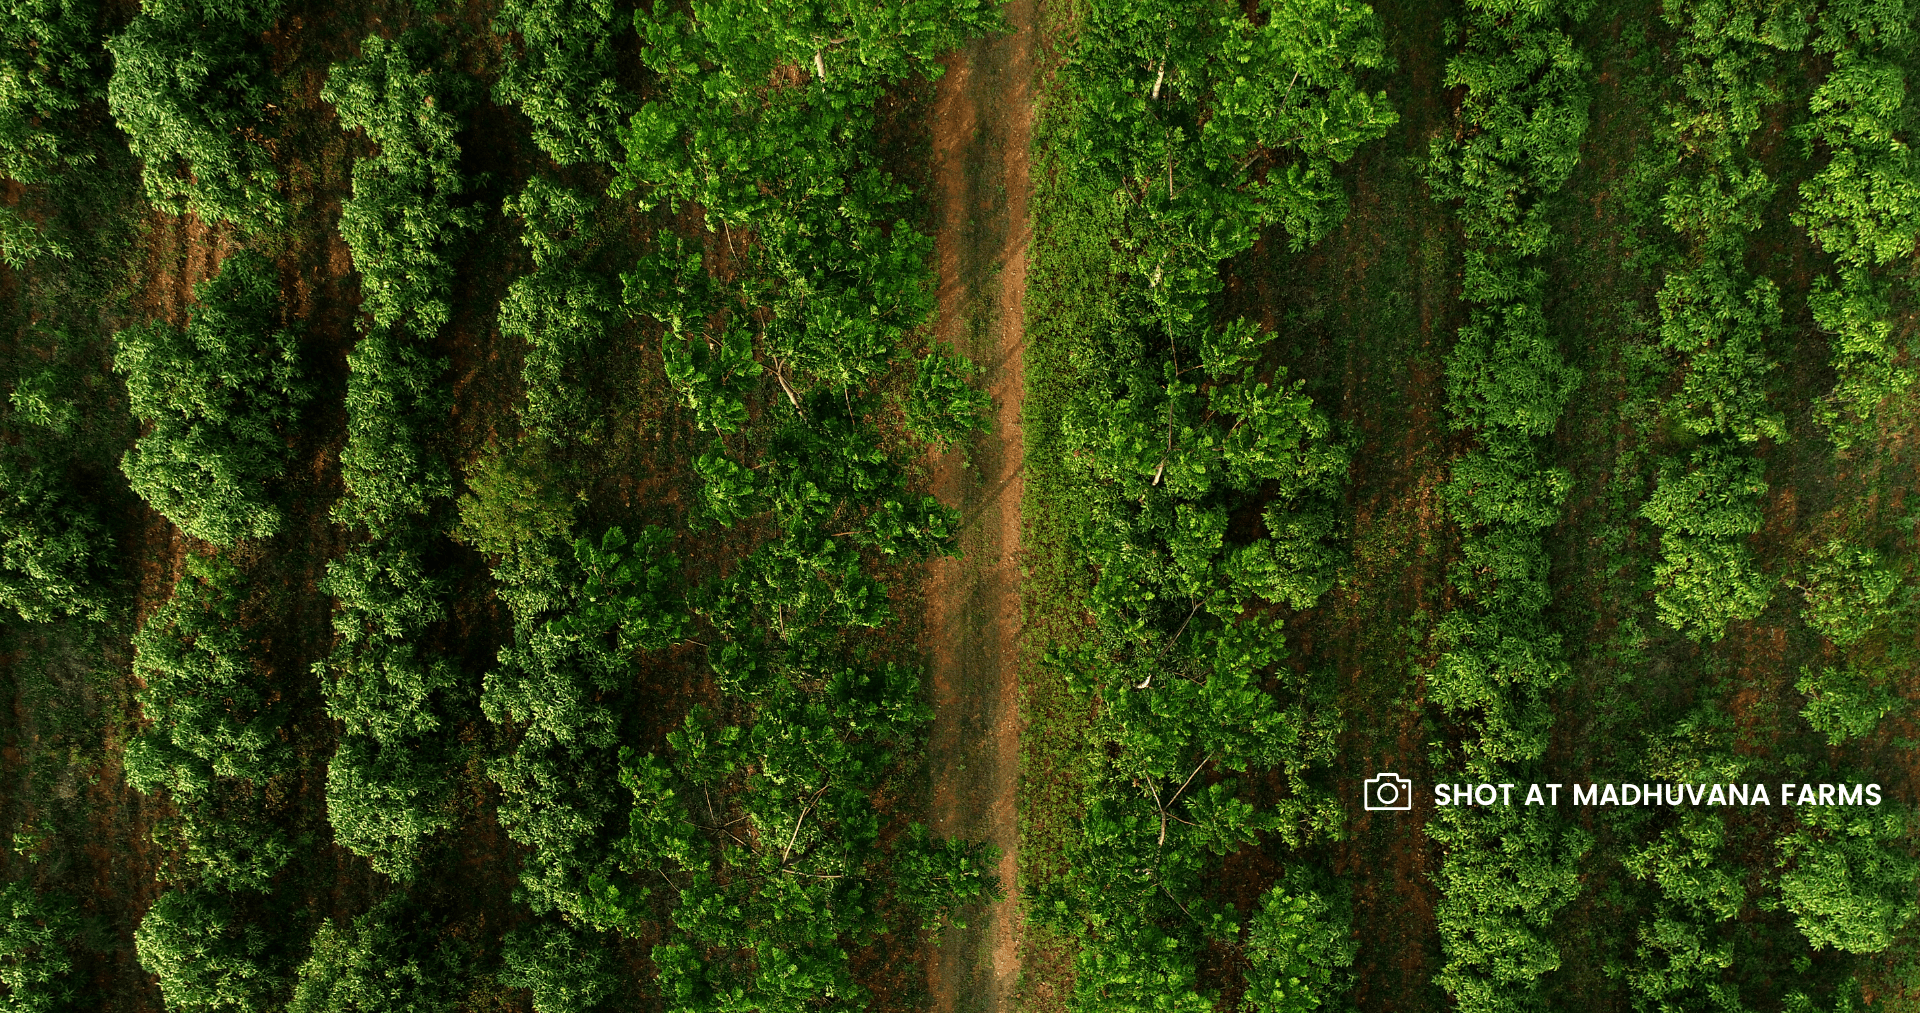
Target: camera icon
<point>1387,791</point>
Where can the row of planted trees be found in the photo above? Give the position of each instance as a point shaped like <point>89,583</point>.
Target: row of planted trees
<point>788,305</point>
<point>1184,129</point>
<point>214,400</point>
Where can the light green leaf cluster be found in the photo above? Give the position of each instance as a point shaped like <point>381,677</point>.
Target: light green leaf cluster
<point>191,86</point>
<point>1849,878</point>
<point>35,968</point>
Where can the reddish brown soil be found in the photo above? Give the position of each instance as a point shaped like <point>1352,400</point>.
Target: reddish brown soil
<point>982,126</point>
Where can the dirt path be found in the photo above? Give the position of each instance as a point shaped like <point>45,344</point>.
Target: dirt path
<point>982,123</point>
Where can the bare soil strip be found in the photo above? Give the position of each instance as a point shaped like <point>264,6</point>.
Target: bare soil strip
<point>982,126</point>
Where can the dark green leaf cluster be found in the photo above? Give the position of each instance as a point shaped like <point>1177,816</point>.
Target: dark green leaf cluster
<point>218,399</point>
<point>1863,206</point>
<point>401,222</point>
<point>215,741</point>
<point>582,614</point>
<point>191,87</point>
<point>52,549</point>
<point>50,65</point>
<point>215,738</point>
<point>36,971</point>
<point>213,952</point>
<point>387,789</point>
<point>565,969</point>
<point>396,958</point>
<point>1848,878</point>
<point>562,310</point>
<point>563,78</point>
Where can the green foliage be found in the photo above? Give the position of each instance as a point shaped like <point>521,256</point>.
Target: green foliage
<point>944,406</point>
<point>935,878</point>
<point>563,79</point>
<point>562,310</point>
<point>776,874</point>
<point>401,222</point>
<point>218,399</point>
<point>384,802</point>
<point>566,970</point>
<point>215,739</point>
<point>1707,577</point>
<point>211,954</point>
<point>1850,594</point>
<point>1683,953</point>
<point>515,496</point>
<point>1863,206</point>
<point>191,86</point>
<point>1522,117</point>
<point>1843,704</point>
<point>388,788</point>
<point>50,66</point>
<point>1715,316</point>
<point>718,136</point>
<point>1849,880</point>
<point>1299,949</point>
<point>1523,114</point>
<point>385,790</point>
<point>1508,871</point>
<point>35,930</point>
<point>1220,124</point>
<point>1206,481</point>
<point>396,958</point>
<point>22,242</point>
<point>52,550</point>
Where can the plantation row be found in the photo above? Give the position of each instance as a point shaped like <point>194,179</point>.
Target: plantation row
<point>751,849</point>
<point>1191,127</point>
<point>1508,871</point>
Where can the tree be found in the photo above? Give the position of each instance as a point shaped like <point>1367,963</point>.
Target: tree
<point>1299,949</point>
<point>219,398</point>
<point>50,65</point>
<point>1848,879</point>
<point>52,550</point>
<point>396,958</point>
<point>191,86</point>
<point>568,971</point>
<point>210,953</point>
<point>35,930</point>
<point>563,79</point>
